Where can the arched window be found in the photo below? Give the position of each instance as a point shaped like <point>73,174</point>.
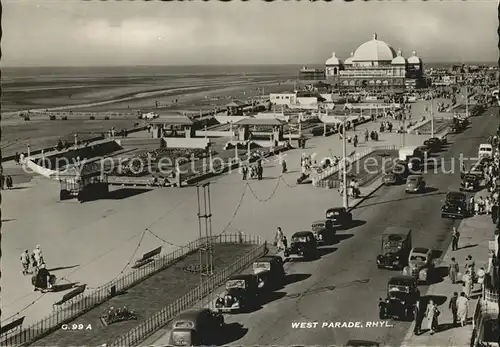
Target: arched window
<point>345,83</point>
<point>379,82</point>
<point>353,82</point>
<point>385,83</point>
<point>335,70</point>
<point>372,82</point>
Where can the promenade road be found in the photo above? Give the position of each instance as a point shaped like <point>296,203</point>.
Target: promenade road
<point>92,243</point>
<point>345,284</point>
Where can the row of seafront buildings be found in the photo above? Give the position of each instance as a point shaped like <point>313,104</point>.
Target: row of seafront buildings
<point>376,66</point>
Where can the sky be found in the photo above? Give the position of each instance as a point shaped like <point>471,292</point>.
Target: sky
<point>112,33</point>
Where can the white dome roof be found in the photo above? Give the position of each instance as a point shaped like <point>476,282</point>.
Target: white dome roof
<point>374,50</point>
<point>399,60</point>
<point>348,61</point>
<point>333,60</point>
<point>414,59</point>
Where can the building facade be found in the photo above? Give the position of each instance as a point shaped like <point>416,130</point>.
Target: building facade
<point>375,65</point>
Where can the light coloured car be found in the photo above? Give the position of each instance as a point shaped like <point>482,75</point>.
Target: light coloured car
<point>420,264</point>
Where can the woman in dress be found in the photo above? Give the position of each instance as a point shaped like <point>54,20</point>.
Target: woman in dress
<point>431,315</point>
<point>462,307</point>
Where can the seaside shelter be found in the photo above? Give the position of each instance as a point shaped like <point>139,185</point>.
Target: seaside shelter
<point>172,126</point>
<point>236,106</point>
<point>254,127</point>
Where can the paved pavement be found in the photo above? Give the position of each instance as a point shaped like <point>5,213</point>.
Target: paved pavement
<point>33,215</point>
<point>475,233</point>
<point>344,285</point>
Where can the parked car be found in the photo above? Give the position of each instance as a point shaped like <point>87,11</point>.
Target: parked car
<point>241,294</point>
<point>402,295</point>
<point>302,245</point>
<point>269,271</point>
<point>395,248</point>
<point>420,264</point>
<point>455,205</point>
<point>433,143</point>
<point>470,183</point>
<point>339,216</point>
<point>415,184</point>
<point>196,327</point>
<point>323,231</point>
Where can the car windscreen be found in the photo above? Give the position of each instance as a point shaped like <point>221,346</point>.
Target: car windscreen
<point>299,239</point>
<point>418,258</point>
<point>262,266</point>
<point>184,324</point>
<point>234,284</point>
<point>182,337</point>
<point>393,288</point>
<point>318,225</point>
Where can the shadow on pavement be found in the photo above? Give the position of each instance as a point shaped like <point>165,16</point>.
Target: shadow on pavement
<point>402,199</point>
<point>63,287</point>
<point>354,224</point>
<point>63,267</point>
<point>124,193</point>
<point>438,275</point>
<point>429,190</point>
<point>341,237</point>
<point>468,246</point>
<point>270,297</point>
<point>325,251</point>
<point>232,332</point>
<point>294,278</point>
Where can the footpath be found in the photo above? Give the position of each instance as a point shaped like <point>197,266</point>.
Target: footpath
<point>475,234</point>
<point>252,207</point>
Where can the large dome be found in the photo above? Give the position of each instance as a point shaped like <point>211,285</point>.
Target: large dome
<point>374,50</point>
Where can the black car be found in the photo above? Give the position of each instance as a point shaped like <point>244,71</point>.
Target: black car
<point>433,143</point>
<point>270,272</point>
<point>302,245</point>
<point>395,248</point>
<point>455,205</point>
<point>323,231</point>
<point>196,327</point>
<point>391,178</point>
<point>361,343</point>
<point>241,294</point>
<point>402,296</point>
<point>470,183</point>
<point>339,216</point>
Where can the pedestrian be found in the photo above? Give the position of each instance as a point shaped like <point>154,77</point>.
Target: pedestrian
<point>37,253</point>
<point>25,262</point>
<point>454,308</point>
<point>419,317</point>
<point>283,166</point>
<point>462,308</point>
<point>278,239</point>
<point>453,270</point>
<point>285,242</point>
<point>470,265</point>
<point>9,182</point>
<point>431,315</point>
<point>467,283</point>
<point>454,239</point>
<point>260,171</point>
<point>244,172</point>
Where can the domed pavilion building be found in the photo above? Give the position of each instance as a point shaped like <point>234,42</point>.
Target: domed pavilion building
<point>377,66</point>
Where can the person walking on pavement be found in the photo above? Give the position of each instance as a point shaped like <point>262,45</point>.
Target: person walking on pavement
<point>462,308</point>
<point>453,270</point>
<point>419,317</point>
<point>244,172</point>
<point>467,284</point>
<point>454,308</point>
<point>470,267</point>
<point>260,171</point>
<point>37,254</point>
<point>455,238</point>
<point>283,166</point>
<point>25,262</point>
<point>279,239</point>
<point>431,315</point>
<point>9,182</point>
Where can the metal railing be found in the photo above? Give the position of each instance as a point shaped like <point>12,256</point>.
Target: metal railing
<point>81,303</point>
<point>162,317</point>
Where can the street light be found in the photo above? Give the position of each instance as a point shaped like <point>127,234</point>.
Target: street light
<point>432,114</point>
<point>344,171</point>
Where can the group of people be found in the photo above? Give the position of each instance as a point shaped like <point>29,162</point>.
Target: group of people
<point>119,314</point>
<point>34,264</point>
<point>386,125</point>
<point>352,189</point>
<point>280,240</point>
<point>6,182</point>
<point>255,171</point>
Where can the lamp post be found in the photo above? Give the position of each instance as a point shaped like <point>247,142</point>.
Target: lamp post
<point>432,114</point>
<point>344,159</point>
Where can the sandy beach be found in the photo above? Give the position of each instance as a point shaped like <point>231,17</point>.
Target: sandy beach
<point>123,95</point>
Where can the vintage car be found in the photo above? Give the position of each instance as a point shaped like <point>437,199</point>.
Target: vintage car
<point>426,150</point>
<point>302,245</point>
<point>392,178</point>
<point>420,264</point>
<point>455,205</point>
<point>241,294</point>
<point>269,271</point>
<point>339,216</point>
<point>402,295</point>
<point>433,143</point>
<point>470,183</point>
<point>415,184</point>
<point>361,343</point>
<point>395,248</point>
<point>196,327</point>
<point>323,231</point>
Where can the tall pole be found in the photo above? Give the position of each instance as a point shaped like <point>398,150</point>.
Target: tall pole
<point>200,239</point>
<point>344,170</point>
<point>206,262</point>
<point>432,115</point>
<point>466,100</point>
